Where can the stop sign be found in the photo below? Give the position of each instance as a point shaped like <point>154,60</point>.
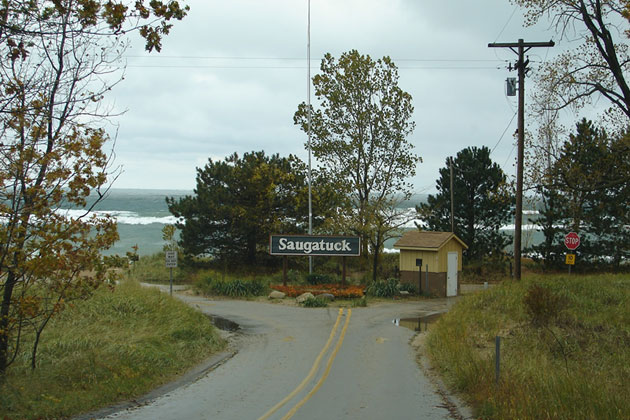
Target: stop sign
<point>572,240</point>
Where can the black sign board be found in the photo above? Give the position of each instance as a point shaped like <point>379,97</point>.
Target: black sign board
<point>309,245</point>
<point>418,262</point>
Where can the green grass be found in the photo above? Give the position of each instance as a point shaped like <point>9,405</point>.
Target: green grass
<point>212,283</point>
<point>574,364</point>
<point>315,302</point>
<point>117,345</point>
<point>152,269</point>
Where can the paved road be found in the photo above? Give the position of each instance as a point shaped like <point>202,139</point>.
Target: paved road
<point>320,363</point>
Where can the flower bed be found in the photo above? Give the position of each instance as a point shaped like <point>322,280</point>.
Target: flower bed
<point>339,291</point>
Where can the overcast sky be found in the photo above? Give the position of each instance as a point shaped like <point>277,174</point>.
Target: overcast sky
<point>231,75</point>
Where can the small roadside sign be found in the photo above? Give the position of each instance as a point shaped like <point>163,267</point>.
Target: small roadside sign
<point>171,259</point>
<point>570,259</point>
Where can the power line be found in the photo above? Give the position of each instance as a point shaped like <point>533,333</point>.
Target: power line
<point>189,66</point>
<point>509,156</point>
<point>503,134</point>
<point>506,23</point>
<point>299,59</point>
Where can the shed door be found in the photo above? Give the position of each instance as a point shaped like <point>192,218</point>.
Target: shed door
<point>451,274</point>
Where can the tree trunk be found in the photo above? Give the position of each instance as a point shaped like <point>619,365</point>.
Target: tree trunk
<point>377,248</point>
<point>4,321</point>
<point>36,343</point>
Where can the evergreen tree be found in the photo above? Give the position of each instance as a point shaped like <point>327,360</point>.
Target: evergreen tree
<point>594,177</point>
<point>481,202</point>
<point>552,216</point>
<point>238,202</point>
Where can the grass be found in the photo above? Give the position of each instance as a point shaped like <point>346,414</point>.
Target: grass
<point>315,302</point>
<point>152,269</point>
<point>115,346</point>
<point>212,283</point>
<point>569,362</point>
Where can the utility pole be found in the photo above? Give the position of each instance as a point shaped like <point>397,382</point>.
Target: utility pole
<point>452,198</point>
<point>520,48</point>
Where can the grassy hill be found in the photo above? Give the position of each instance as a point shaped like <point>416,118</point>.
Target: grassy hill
<point>117,345</point>
<point>565,348</point>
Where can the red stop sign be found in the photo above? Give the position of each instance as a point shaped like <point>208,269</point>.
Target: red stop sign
<point>572,240</point>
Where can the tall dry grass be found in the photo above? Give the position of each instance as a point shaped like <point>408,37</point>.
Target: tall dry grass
<point>573,363</point>
<point>117,345</point>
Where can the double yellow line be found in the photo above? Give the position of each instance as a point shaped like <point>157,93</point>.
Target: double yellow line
<point>314,370</point>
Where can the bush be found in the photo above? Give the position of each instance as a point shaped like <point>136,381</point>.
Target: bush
<point>360,303</point>
<point>383,288</point>
<point>319,278</point>
<point>408,287</point>
<point>315,302</point>
<point>543,305</point>
<point>230,287</point>
<point>490,268</point>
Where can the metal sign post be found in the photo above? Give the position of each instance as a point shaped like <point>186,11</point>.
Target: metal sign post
<point>419,265</point>
<point>571,241</point>
<point>171,262</point>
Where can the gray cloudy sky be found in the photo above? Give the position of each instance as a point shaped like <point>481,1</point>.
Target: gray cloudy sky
<point>230,77</point>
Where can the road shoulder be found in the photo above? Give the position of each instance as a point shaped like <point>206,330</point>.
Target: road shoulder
<point>457,408</point>
<point>189,377</point>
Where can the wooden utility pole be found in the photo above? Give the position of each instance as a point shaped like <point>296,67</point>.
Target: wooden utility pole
<point>452,198</point>
<point>520,48</point>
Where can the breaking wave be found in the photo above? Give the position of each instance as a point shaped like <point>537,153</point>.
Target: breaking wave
<point>124,217</point>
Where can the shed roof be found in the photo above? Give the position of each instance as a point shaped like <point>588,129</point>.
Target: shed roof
<point>424,240</point>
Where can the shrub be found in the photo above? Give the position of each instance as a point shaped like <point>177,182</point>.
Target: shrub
<point>203,284</point>
<point>490,268</point>
<point>408,287</point>
<point>319,278</point>
<point>230,287</point>
<point>315,302</point>
<point>360,303</point>
<point>543,305</point>
<point>383,288</point>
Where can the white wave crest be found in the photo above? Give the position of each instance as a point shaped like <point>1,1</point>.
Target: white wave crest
<point>121,216</point>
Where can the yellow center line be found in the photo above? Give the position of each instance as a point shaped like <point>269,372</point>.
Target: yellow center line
<point>331,359</point>
<point>311,372</point>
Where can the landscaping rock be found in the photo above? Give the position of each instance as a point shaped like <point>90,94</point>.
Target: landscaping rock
<point>404,293</point>
<point>276,295</point>
<point>327,296</point>
<point>303,297</point>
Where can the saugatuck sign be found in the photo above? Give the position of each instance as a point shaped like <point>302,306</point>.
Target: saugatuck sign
<point>315,245</point>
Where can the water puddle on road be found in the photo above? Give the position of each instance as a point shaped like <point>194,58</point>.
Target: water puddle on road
<point>418,324</point>
<point>224,324</point>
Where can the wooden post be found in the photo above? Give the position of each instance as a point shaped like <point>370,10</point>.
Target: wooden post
<point>343,272</point>
<point>521,66</point>
<point>285,263</point>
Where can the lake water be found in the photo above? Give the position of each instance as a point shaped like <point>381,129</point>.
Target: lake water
<point>141,215</point>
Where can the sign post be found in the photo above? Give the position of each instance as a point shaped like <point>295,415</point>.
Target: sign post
<point>171,262</point>
<point>419,265</point>
<point>571,241</point>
